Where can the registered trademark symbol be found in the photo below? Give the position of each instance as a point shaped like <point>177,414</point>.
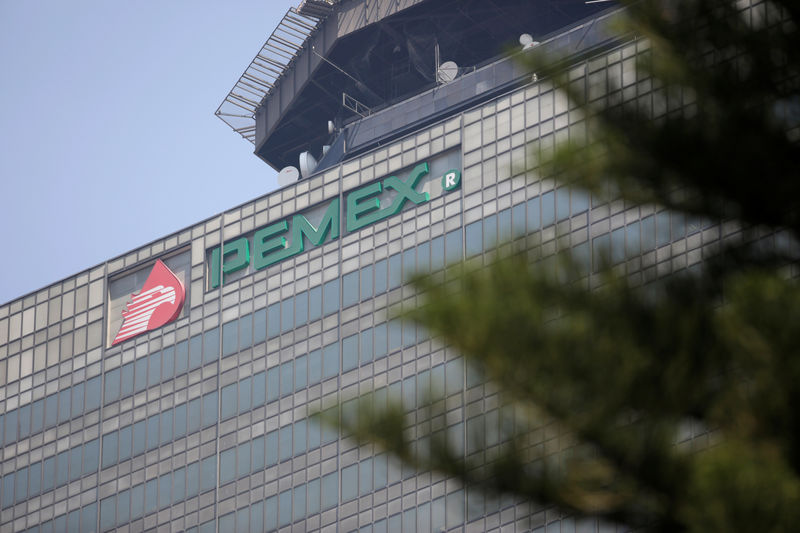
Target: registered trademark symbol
<point>451,180</point>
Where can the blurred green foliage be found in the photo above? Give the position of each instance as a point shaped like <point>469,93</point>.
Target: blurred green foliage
<point>676,402</point>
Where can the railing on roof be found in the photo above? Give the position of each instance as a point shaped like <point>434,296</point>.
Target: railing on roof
<point>238,108</point>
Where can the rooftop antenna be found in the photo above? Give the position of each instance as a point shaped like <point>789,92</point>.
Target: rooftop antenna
<point>287,176</point>
<point>307,164</point>
<point>527,41</point>
<point>447,72</point>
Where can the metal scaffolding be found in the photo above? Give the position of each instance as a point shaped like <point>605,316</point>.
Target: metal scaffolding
<point>238,108</point>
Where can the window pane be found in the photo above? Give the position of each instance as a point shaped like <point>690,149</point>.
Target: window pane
<point>409,262</point>
<point>648,233</point>
<point>312,489</point>
<point>273,383</point>
<point>166,426</point>
<point>244,395</point>
<point>330,490</point>
<point>632,238</point>
<point>287,314</point>
<point>50,416</point>
<point>395,335</point>
<point>381,279</point>
<point>618,245</point>
<point>139,437</point>
<point>137,501</point>
<point>381,340</point>
<point>300,437</point>
<point>600,251</point>
<point>490,231</point>
<point>662,228</point>
<point>245,332</point>
<point>580,201</point>
<point>453,246</point>
<point>285,445</point>
<point>152,432</point>
<point>287,379</point>
<point>274,320</point>
<point>211,346</point>
<point>193,416</point>
<point>228,401</point>
<point>381,471</point>
<point>167,363</point>
<point>366,345</point>
<point>366,282</point>
<point>331,297</point>
<point>259,389</point>
<point>164,490</point>
<point>350,287</point>
<point>271,446</point>
<point>285,508</point>
<point>271,513</point>
<point>110,442</point>
<point>181,357</point>
<point>301,309</point>
<point>195,352</point>
<point>350,353</point>
<point>209,409</point>
<point>260,326</point>
<point>179,421</point>
<point>208,473</point>
<point>548,209</point>
<point>437,253</point>
<point>533,208</point>
<point>330,356</point>
<point>300,372</point>
<point>299,502</point>
<point>454,371</point>
<point>562,203</point>
<point>349,482</point>
<point>230,342</point>
<point>258,454</point>
<point>227,466</point>
<point>154,369</point>
<point>37,414</point>
<point>112,385</point>
<point>108,513</point>
<point>179,485</point>
<point>315,366</point>
<point>35,479</point>
<point>424,257</point>
<point>315,303</point>
<point>140,371</point>
<point>365,477</point>
<point>474,238</point>
<point>395,271</point>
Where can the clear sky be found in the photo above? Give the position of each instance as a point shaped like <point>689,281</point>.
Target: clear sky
<point>108,138</point>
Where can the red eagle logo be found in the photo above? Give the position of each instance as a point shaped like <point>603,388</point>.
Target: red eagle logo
<point>158,303</point>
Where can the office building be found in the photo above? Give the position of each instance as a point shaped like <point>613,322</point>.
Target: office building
<point>406,122</point>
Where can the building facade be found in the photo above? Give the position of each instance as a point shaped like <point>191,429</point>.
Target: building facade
<point>203,424</point>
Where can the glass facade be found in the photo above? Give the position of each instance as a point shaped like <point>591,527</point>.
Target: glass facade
<point>202,425</point>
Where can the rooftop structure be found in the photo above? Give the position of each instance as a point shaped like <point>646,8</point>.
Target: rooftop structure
<point>341,62</point>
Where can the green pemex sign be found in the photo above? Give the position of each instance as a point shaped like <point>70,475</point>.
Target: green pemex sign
<point>363,206</point>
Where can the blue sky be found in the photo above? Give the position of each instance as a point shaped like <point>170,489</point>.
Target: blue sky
<point>108,105</point>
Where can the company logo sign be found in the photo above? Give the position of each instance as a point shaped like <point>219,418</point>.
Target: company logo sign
<point>159,302</point>
<point>363,206</point>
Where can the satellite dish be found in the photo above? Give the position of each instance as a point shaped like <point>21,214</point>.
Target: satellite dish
<point>447,72</point>
<point>527,41</point>
<point>288,175</point>
<point>307,164</point>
